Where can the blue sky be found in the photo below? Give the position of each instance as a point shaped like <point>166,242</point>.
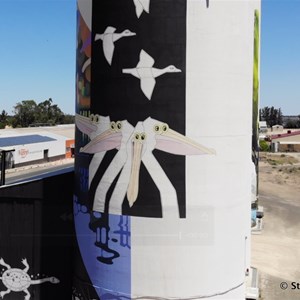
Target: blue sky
<point>38,53</point>
<point>38,44</point>
<point>280,55</point>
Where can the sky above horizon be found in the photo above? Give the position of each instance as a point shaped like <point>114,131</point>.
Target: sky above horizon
<point>39,44</point>
<point>37,52</point>
<point>280,55</point>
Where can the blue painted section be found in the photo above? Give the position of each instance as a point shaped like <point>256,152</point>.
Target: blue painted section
<point>24,140</point>
<point>104,243</point>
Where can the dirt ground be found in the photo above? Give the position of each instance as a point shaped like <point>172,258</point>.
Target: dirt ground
<point>276,251</point>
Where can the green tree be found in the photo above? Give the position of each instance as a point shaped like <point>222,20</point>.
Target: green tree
<point>49,113</point>
<point>68,119</point>
<point>3,116</point>
<point>25,113</point>
<point>3,119</point>
<point>28,112</point>
<point>271,115</point>
<point>56,114</point>
<point>292,123</point>
<point>43,111</point>
<point>279,117</point>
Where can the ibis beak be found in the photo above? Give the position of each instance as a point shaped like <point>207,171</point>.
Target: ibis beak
<point>84,124</point>
<point>105,141</point>
<point>176,143</point>
<point>133,186</point>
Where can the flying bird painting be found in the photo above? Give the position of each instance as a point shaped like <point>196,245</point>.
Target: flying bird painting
<point>141,6</point>
<point>109,37</point>
<point>147,73</point>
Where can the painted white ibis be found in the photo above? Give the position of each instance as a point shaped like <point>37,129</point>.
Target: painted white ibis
<point>117,136</point>
<point>147,74</point>
<point>136,146</point>
<point>92,126</point>
<point>109,37</point>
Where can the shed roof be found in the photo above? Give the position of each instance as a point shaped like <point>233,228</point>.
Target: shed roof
<point>285,135</point>
<point>67,131</point>
<point>24,139</point>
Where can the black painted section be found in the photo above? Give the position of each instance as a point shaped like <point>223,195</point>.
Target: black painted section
<point>162,34</point>
<point>36,223</point>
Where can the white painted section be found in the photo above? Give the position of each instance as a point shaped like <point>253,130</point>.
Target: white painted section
<point>208,252</point>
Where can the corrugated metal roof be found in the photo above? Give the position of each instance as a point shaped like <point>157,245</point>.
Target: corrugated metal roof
<point>285,135</point>
<point>24,139</point>
<point>67,130</point>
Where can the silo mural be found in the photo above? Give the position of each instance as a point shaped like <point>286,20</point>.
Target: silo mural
<point>255,117</point>
<point>256,53</point>
<point>163,149</point>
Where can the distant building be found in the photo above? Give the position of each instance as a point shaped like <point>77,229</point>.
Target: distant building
<point>286,142</point>
<point>263,126</point>
<point>277,128</point>
<point>33,145</point>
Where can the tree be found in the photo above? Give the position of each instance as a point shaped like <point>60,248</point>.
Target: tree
<point>3,119</point>
<point>44,111</point>
<point>68,119</point>
<point>25,113</point>
<point>3,116</point>
<point>297,121</point>
<point>49,113</point>
<point>56,114</point>
<point>293,123</point>
<point>279,117</point>
<point>271,115</point>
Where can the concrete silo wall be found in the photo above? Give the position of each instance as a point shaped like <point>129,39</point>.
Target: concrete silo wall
<point>163,148</point>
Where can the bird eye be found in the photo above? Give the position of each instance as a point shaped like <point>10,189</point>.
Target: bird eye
<point>143,136</point>
<point>165,127</point>
<point>119,125</point>
<point>97,119</point>
<point>137,136</point>
<point>113,125</point>
<point>156,128</point>
<point>92,117</point>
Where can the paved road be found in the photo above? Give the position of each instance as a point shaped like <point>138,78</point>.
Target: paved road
<point>35,171</point>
